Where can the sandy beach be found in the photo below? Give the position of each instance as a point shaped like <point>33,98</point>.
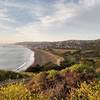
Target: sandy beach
<point>42,57</point>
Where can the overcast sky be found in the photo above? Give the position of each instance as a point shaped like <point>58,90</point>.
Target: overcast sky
<point>49,20</point>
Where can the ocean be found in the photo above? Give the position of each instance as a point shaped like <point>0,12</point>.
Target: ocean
<point>15,58</point>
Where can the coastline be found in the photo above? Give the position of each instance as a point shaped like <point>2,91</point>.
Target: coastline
<point>15,57</point>
<point>42,57</point>
<point>25,65</point>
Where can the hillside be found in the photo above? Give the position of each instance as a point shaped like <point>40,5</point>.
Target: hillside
<point>70,44</point>
<point>76,77</point>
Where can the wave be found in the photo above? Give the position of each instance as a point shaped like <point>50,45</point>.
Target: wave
<point>20,67</point>
<point>25,65</point>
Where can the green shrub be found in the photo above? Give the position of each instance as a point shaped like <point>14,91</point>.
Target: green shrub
<point>81,68</point>
<point>87,72</point>
<point>20,92</point>
<point>86,92</point>
<point>15,92</point>
<point>98,75</point>
<point>36,68</point>
<point>68,61</point>
<point>5,75</point>
<point>52,74</point>
<point>49,66</point>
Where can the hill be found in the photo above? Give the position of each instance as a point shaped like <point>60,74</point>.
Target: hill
<point>70,44</point>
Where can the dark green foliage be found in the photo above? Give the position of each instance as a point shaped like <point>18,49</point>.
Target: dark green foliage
<point>5,75</point>
<point>66,63</point>
<point>68,60</point>
<point>46,67</point>
<point>50,66</point>
<point>37,68</point>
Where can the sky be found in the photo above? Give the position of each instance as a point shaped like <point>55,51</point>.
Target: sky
<point>49,20</point>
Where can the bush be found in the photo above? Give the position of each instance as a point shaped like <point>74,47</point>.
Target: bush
<point>36,68</point>
<point>15,92</point>
<point>78,73</point>
<point>68,61</point>
<point>86,92</point>
<point>98,75</point>
<point>50,66</point>
<point>87,72</point>
<point>20,92</point>
<point>72,79</point>
<point>52,74</point>
<point>5,75</point>
<point>38,83</point>
<point>81,68</point>
<point>58,91</point>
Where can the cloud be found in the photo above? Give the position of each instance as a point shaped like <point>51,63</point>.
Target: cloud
<point>62,14</point>
<point>4,21</point>
<point>49,19</point>
<point>89,3</point>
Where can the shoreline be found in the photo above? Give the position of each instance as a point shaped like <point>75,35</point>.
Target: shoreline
<point>15,57</point>
<point>42,57</point>
<point>26,65</point>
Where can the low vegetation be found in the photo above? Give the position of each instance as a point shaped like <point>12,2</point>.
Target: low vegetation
<point>77,78</point>
<point>15,92</point>
<point>6,75</point>
<point>86,92</point>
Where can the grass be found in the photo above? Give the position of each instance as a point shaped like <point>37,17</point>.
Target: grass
<point>5,75</point>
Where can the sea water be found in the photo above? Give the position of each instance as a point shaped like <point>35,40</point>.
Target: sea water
<point>15,58</point>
